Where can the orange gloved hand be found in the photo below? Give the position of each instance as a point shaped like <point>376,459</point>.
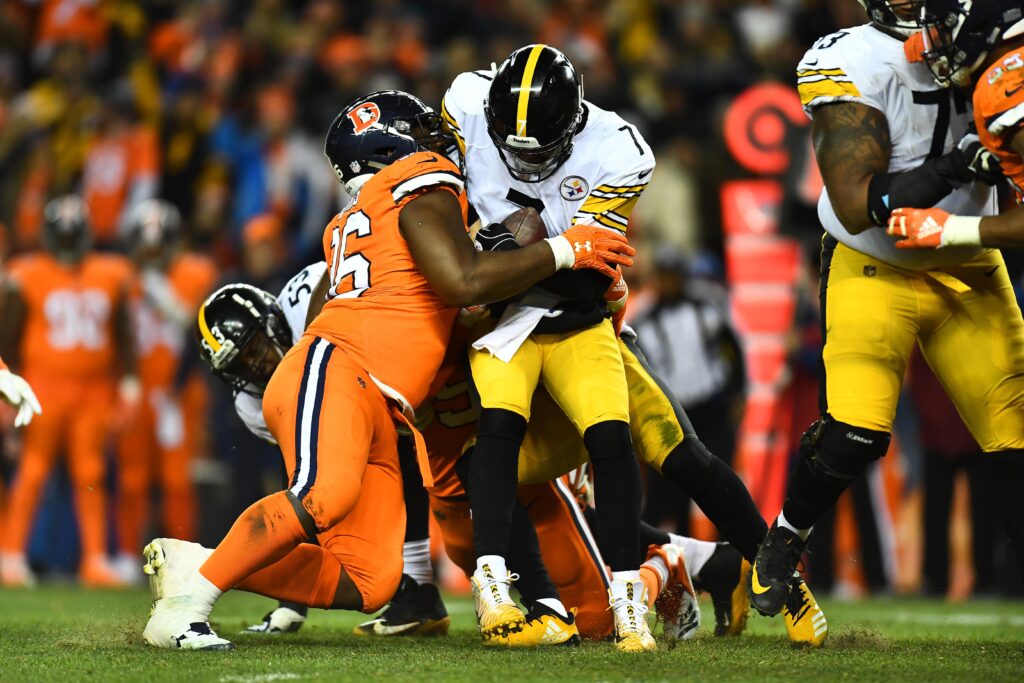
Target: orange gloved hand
<point>616,296</point>
<point>933,229</point>
<point>593,247</point>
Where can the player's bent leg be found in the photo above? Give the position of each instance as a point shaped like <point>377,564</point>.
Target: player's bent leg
<point>665,440</point>
<point>832,454</point>
<point>668,582</point>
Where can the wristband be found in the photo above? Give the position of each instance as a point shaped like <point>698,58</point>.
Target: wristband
<point>961,231</point>
<point>565,257</point>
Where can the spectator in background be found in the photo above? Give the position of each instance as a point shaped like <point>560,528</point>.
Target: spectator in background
<point>122,166</point>
<point>689,340</point>
<point>948,449</point>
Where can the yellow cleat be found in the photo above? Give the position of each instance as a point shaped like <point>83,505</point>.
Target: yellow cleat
<point>805,622</point>
<point>628,602</point>
<point>739,606</point>
<point>501,622</point>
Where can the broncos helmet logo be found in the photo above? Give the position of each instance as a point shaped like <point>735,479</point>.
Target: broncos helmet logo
<point>364,116</point>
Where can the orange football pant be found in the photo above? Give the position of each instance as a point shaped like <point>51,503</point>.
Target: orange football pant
<point>339,444</point>
<point>75,419</point>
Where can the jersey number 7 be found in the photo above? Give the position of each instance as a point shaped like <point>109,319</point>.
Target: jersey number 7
<point>353,265</point>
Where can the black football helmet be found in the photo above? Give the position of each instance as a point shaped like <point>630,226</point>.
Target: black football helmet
<point>67,232</point>
<point>902,16</point>
<point>243,335</point>
<point>533,109</point>
<point>377,130</point>
<point>960,34</point>
<point>154,228</point>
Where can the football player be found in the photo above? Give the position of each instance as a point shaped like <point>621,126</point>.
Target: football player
<point>66,325</point>
<point>885,137</point>
<point>17,392</point>
<point>978,46</point>
<point>400,263</point>
<point>597,169</point>
<point>170,286</point>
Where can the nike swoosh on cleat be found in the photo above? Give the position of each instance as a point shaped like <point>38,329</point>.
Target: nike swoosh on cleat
<point>382,629</point>
<point>756,585</point>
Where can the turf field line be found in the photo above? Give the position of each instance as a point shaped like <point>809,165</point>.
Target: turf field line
<point>953,619</point>
<point>259,678</point>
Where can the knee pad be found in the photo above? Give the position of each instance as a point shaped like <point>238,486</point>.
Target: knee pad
<point>690,461</point>
<point>841,450</point>
<point>608,440</point>
<point>498,423</point>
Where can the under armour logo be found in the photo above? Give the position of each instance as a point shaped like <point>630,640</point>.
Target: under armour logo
<point>583,247</point>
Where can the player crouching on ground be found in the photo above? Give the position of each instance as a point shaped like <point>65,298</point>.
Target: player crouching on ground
<point>370,355</point>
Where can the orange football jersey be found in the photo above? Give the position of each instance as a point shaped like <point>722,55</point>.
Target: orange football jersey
<point>380,308</point>
<point>69,315</point>
<point>160,341</point>
<point>999,113</point>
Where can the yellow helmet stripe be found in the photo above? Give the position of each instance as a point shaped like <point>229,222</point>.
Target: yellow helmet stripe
<point>205,330</point>
<point>524,89</point>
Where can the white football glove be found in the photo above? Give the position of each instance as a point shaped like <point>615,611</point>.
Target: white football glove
<point>19,394</point>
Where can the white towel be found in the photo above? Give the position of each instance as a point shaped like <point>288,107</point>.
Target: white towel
<point>515,325</point>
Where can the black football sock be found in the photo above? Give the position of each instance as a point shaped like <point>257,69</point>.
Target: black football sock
<point>417,501</point>
<point>810,493</point>
<point>617,493</point>
<point>719,493</point>
<point>494,478</point>
<point>524,559</point>
<point>1008,482</point>
<point>650,535</point>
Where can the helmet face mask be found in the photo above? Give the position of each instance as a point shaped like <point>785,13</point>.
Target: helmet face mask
<point>534,108</point>
<point>153,232</point>
<point>959,35</point>
<point>243,335</point>
<point>378,129</point>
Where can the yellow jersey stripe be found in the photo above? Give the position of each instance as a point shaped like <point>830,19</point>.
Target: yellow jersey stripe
<point>604,221</point>
<point>820,72</point>
<point>524,89</point>
<point>205,330</point>
<point>812,91</point>
<point>448,118</point>
<point>620,205</point>
<point>620,189</point>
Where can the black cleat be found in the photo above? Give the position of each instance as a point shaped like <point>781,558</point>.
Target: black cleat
<point>415,610</point>
<point>723,577</point>
<point>771,576</point>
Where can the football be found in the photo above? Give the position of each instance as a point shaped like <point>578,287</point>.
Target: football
<point>526,226</point>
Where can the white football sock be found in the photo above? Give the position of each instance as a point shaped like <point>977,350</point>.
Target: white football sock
<point>802,533</point>
<point>496,563</point>
<point>556,605</point>
<point>206,591</point>
<point>657,564</point>
<point>696,552</point>
<point>416,561</point>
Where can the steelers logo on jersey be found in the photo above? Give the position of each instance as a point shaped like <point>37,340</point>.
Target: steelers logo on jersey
<point>574,188</point>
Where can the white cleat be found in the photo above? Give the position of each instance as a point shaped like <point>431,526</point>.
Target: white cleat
<point>172,566</point>
<point>677,605</point>
<point>628,602</point>
<point>15,572</point>
<point>281,620</point>
<point>179,619</point>
<point>180,623</point>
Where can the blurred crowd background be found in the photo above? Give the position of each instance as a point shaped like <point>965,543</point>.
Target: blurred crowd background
<point>220,108</point>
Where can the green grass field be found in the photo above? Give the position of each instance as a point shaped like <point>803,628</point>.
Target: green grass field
<point>62,633</point>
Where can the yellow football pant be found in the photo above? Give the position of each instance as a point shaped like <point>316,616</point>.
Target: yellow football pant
<point>582,371</point>
<point>553,447</point>
<point>965,319</point>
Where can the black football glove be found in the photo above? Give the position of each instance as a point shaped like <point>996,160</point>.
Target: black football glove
<point>970,161</point>
<point>495,237</point>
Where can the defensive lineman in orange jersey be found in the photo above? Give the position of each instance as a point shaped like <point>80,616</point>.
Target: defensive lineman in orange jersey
<point>65,326</point>
<point>400,263</point>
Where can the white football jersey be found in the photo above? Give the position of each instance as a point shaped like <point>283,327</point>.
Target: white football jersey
<point>294,299</point>
<point>864,65</point>
<point>598,184</point>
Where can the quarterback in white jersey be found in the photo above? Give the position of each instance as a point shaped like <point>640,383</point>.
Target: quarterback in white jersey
<point>885,137</point>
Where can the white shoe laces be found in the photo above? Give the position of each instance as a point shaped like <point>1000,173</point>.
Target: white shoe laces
<point>494,590</point>
<point>628,614</point>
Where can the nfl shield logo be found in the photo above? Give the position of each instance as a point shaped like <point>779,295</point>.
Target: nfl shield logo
<point>574,188</point>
